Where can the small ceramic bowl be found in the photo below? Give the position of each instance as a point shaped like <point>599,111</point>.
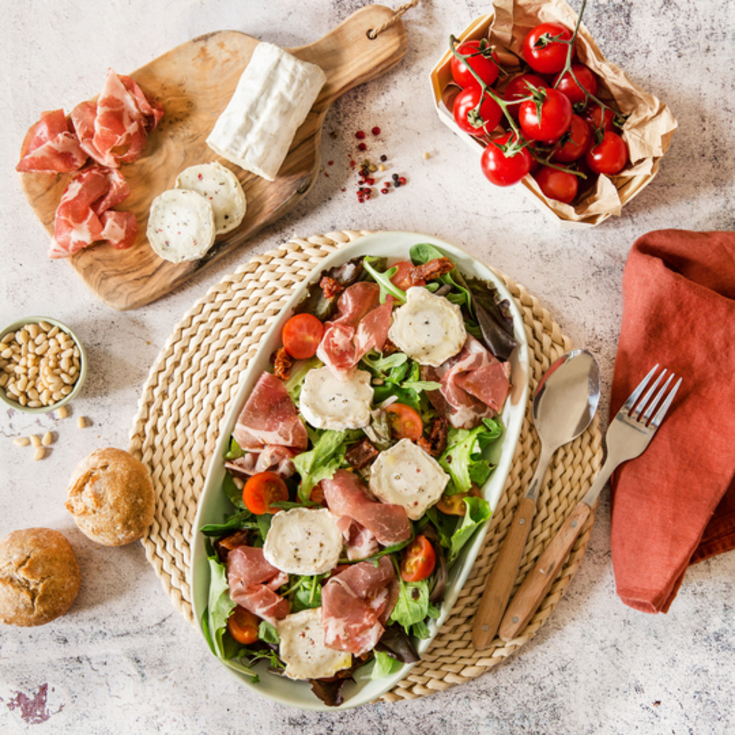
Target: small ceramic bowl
<point>76,387</point>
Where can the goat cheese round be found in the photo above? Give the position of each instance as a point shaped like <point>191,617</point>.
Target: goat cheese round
<point>181,225</point>
<point>428,328</point>
<point>221,188</point>
<point>406,475</point>
<point>303,541</point>
<point>328,403</point>
<point>303,650</point>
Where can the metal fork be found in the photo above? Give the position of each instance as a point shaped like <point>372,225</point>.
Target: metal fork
<point>629,434</point>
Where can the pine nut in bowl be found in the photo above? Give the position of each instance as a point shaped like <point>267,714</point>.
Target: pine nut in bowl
<point>42,364</point>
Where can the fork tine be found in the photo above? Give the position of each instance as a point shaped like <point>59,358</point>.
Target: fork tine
<point>659,417</point>
<point>636,394</point>
<point>636,414</point>
<point>651,407</point>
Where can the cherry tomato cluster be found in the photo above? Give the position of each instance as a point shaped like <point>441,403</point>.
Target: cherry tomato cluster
<point>547,120</point>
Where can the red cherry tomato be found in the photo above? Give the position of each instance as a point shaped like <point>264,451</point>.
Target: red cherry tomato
<point>600,118</point>
<point>419,560</point>
<point>485,67</point>
<point>262,490</point>
<point>554,118</point>
<point>301,335</point>
<point>555,184</point>
<point>401,277</point>
<point>608,157</point>
<point>405,423</point>
<point>243,626</point>
<point>575,141</point>
<point>566,85</point>
<point>518,88</point>
<point>466,101</point>
<point>505,169</point>
<point>541,53</point>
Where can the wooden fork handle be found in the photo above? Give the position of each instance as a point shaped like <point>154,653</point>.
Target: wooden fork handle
<point>538,582</point>
<point>500,580</point>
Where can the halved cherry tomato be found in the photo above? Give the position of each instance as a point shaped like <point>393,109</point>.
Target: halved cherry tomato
<point>317,495</point>
<point>555,184</point>
<point>483,65</point>
<point>405,423</point>
<point>453,505</point>
<point>400,277</point>
<point>586,77</point>
<point>575,141</point>
<point>609,156</point>
<point>262,490</point>
<point>243,625</point>
<point>541,53</point>
<point>301,335</point>
<point>419,560</point>
<point>466,101</point>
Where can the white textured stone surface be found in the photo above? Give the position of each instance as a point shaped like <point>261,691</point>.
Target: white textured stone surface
<point>123,660</point>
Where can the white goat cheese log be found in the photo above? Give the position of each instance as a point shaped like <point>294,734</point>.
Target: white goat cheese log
<point>273,97</point>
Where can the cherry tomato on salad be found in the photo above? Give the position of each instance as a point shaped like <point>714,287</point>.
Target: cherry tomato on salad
<point>301,335</point>
<point>567,86</point>
<point>405,423</point>
<point>419,560</point>
<point>243,626</point>
<point>400,277</point>
<point>558,185</point>
<point>609,156</point>
<point>549,121</point>
<point>600,118</point>
<point>453,505</point>
<point>317,495</point>
<point>262,490</point>
<point>505,168</point>
<point>575,141</point>
<point>518,88</point>
<point>466,101</point>
<point>543,54</point>
<point>483,65</point>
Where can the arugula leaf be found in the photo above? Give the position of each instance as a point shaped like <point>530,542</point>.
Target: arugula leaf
<point>321,462</point>
<point>422,385</point>
<point>478,511</point>
<point>264,524</point>
<point>268,632</point>
<point>308,592</point>
<point>384,665</point>
<point>380,365</point>
<point>237,522</point>
<point>237,665</point>
<point>383,280</point>
<point>231,491</point>
<point>219,605</point>
<point>298,373</point>
<point>235,451</point>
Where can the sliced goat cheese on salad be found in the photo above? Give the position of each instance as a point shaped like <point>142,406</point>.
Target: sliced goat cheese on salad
<point>327,403</point>
<point>428,328</point>
<point>220,187</point>
<point>406,475</point>
<point>302,647</point>
<point>303,541</point>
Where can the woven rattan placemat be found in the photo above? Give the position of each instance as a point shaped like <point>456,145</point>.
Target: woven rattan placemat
<point>190,388</point>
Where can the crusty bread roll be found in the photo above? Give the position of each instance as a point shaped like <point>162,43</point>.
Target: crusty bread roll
<point>39,576</point>
<point>111,497</point>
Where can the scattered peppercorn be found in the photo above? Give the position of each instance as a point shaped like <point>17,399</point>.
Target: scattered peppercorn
<point>360,134</point>
<point>362,146</point>
<point>384,191</point>
<point>384,158</point>
<point>375,130</point>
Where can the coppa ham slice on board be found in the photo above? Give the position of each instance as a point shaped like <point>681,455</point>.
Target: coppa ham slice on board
<point>194,83</point>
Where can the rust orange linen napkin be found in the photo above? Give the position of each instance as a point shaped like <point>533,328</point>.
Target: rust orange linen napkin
<point>675,504</point>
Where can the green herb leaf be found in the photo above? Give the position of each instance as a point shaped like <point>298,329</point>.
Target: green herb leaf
<point>298,373</point>
<point>478,512</point>
<point>321,462</point>
<point>268,633</point>
<point>385,665</point>
<point>219,605</point>
<point>412,605</point>
<point>424,252</point>
<point>383,280</point>
<point>232,492</point>
<point>241,521</point>
<point>235,451</point>
<point>463,457</point>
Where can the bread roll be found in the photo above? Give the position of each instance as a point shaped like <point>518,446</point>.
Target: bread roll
<point>111,497</point>
<point>39,576</point>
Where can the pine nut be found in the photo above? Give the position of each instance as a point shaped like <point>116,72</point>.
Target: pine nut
<point>45,326</point>
<point>82,422</point>
<point>57,395</point>
<point>22,399</point>
<point>63,412</point>
<point>7,353</point>
<point>22,337</point>
<point>47,439</point>
<point>66,390</point>
<point>3,379</point>
<point>35,440</point>
<point>34,404</point>
<point>40,454</point>
<point>65,364</point>
<point>54,331</point>
<point>33,330</point>
<point>22,441</point>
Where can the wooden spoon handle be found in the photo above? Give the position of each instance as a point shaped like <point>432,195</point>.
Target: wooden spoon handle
<point>500,580</point>
<point>348,57</point>
<point>538,582</point>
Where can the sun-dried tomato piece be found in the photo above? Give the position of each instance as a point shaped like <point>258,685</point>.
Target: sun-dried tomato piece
<point>330,287</point>
<point>435,442</point>
<point>432,269</point>
<point>224,545</point>
<point>361,454</point>
<point>388,348</point>
<point>282,363</point>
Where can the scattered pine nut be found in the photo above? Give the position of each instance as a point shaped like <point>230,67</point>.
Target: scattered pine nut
<point>22,441</point>
<point>82,422</point>
<point>40,454</point>
<point>47,439</point>
<point>427,154</point>
<point>62,412</point>
<point>35,441</point>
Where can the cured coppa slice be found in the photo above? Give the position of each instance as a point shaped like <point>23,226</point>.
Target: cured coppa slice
<point>474,385</point>
<point>356,603</point>
<point>269,417</point>
<point>83,215</point>
<point>347,495</point>
<point>51,147</point>
<point>361,325</point>
<point>115,129</point>
<point>253,581</point>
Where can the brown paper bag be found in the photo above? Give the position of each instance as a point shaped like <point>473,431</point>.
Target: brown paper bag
<point>647,131</point>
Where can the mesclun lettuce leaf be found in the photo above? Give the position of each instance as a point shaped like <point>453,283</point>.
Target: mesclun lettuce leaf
<point>235,451</point>
<point>219,606</point>
<point>298,373</point>
<point>493,317</point>
<point>413,607</point>
<point>232,492</point>
<point>463,458</point>
<point>385,665</point>
<point>478,511</point>
<point>321,462</point>
<point>306,592</point>
<point>268,632</point>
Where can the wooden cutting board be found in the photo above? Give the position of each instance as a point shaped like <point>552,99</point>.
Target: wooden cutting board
<point>194,82</point>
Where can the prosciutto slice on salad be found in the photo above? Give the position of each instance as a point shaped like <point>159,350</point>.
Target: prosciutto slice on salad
<point>252,582</point>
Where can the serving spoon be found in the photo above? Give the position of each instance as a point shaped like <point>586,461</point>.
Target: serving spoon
<point>564,405</point>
